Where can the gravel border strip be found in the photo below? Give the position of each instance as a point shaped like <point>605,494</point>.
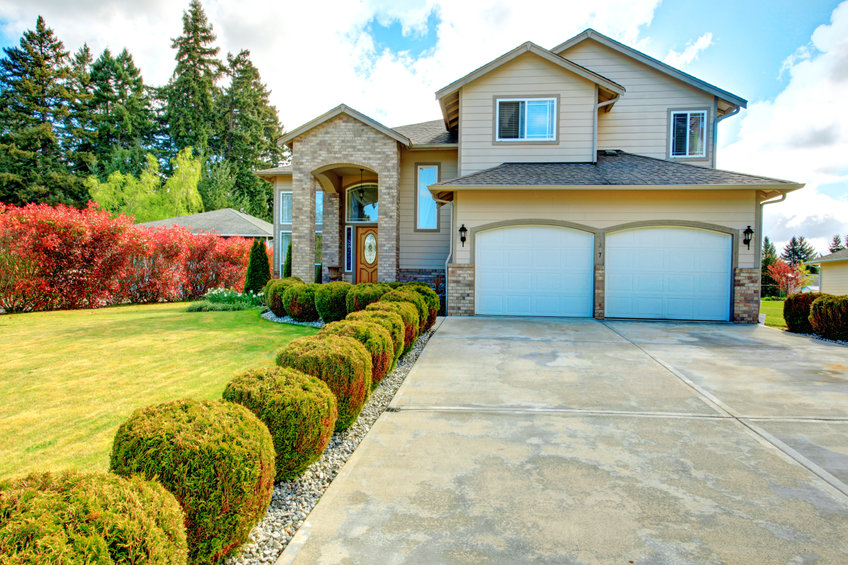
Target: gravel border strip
<point>293,500</point>
<point>268,315</point>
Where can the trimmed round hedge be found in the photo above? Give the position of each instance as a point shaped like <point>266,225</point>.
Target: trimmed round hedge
<point>341,362</point>
<point>299,410</point>
<point>408,314</point>
<point>89,518</point>
<point>299,301</point>
<point>274,291</point>
<point>829,317</point>
<point>363,294</point>
<point>376,340</point>
<point>430,298</point>
<point>330,301</point>
<point>796,311</point>
<point>391,321</point>
<point>407,295</point>
<point>215,457</point>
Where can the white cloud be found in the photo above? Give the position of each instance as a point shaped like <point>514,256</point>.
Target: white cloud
<point>690,53</point>
<point>802,135</point>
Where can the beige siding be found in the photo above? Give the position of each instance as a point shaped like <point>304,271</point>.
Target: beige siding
<point>638,122</point>
<point>527,75</point>
<point>734,209</point>
<point>834,277</point>
<point>423,250</point>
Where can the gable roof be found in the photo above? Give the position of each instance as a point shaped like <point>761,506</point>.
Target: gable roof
<point>285,170</point>
<point>651,62</point>
<point>225,222</point>
<point>613,170</point>
<point>337,111</point>
<point>446,95</point>
<point>841,255</point>
<point>428,134</point>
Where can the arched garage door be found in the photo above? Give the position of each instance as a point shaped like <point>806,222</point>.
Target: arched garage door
<point>668,273</point>
<point>534,271</point>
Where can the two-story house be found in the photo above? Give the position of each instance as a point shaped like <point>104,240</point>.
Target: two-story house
<point>575,181</point>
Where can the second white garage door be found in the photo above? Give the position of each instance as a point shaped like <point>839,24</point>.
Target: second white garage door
<point>534,271</point>
<point>668,273</point>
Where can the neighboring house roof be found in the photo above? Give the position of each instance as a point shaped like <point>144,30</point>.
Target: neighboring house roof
<point>614,169</point>
<point>651,62</point>
<point>841,255</point>
<point>344,109</point>
<point>426,134</point>
<point>226,222</point>
<point>448,96</point>
<point>285,170</point>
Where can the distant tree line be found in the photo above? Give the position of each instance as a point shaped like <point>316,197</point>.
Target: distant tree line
<point>76,127</point>
<point>798,252</point>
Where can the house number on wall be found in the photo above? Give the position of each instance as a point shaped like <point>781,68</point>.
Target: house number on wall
<point>370,248</point>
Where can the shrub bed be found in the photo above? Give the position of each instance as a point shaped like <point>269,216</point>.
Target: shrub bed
<point>89,518</point>
<point>331,301</point>
<point>341,362</point>
<point>363,294</point>
<point>299,410</point>
<point>430,298</point>
<point>408,314</point>
<point>376,340</point>
<point>299,301</point>
<point>829,317</point>
<point>215,457</point>
<point>406,295</point>
<point>274,291</point>
<point>796,312</point>
<point>391,321</point>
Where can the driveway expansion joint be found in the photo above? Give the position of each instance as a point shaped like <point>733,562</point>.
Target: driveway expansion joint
<point>565,411</point>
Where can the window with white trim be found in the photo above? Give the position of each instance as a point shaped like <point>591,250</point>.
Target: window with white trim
<point>689,134</point>
<point>526,119</point>
<point>285,207</point>
<point>427,211</point>
<point>285,241</point>
<point>319,207</point>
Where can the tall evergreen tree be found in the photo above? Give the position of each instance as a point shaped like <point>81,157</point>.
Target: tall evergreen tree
<point>191,93</point>
<point>836,244</point>
<point>768,286</point>
<point>79,124</point>
<point>798,250</point>
<point>34,106</point>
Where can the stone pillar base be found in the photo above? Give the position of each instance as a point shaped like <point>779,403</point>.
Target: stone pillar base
<point>460,290</point>
<point>599,292</point>
<point>746,295</point>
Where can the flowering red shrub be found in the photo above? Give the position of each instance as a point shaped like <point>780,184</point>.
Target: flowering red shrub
<point>214,262</point>
<point>156,272</point>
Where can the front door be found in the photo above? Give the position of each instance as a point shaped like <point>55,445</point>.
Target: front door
<point>366,254</point>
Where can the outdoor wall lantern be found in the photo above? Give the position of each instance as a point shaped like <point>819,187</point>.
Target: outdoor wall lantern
<point>747,235</point>
<point>462,231</point>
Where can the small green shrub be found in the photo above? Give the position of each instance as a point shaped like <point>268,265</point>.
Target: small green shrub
<point>89,518</point>
<point>341,362</point>
<point>829,317</point>
<point>231,296</point>
<point>376,340</point>
<point>299,410</point>
<point>796,312</point>
<point>391,321</point>
<point>274,292</point>
<point>258,269</point>
<point>330,301</point>
<point>409,315</point>
<point>430,298</point>
<point>215,457</point>
<point>299,301</point>
<point>406,295</point>
<point>362,294</point>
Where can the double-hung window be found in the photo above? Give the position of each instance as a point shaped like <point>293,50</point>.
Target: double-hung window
<point>285,207</point>
<point>689,134</point>
<point>526,119</point>
<point>426,209</point>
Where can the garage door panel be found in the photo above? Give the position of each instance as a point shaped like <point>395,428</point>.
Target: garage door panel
<point>668,273</point>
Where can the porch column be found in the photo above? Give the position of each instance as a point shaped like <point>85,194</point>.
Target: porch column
<point>303,224</point>
<point>388,224</point>
<point>330,247</point>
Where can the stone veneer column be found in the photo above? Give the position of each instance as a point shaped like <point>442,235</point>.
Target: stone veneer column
<point>303,223</point>
<point>388,227</point>
<point>599,292</point>
<point>331,245</point>
<point>746,295</point>
<point>460,290</point>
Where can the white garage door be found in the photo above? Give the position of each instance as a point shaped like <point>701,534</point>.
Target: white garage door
<point>534,271</point>
<point>668,273</point>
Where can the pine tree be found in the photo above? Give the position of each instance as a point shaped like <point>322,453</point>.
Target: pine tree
<point>258,270</point>
<point>768,286</point>
<point>798,250</point>
<point>34,106</point>
<point>836,244</point>
<point>80,120</point>
<point>191,93</point>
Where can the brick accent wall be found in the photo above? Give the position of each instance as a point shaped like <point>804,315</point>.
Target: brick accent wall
<point>343,141</point>
<point>424,275</point>
<point>746,295</point>
<point>332,234</point>
<point>460,290</point>
<point>599,292</point>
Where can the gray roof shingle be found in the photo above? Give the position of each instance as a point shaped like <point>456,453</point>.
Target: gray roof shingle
<point>841,255</point>
<point>427,133</point>
<point>226,221</point>
<point>612,168</point>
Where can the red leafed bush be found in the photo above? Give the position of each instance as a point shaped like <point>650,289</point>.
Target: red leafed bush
<point>214,262</point>
<point>156,273</point>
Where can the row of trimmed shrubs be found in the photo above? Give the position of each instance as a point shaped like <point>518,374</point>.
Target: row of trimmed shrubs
<point>822,314</point>
<point>191,478</point>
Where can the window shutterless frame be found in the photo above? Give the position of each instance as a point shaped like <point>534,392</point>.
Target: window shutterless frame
<point>689,134</point>
<point>285,207</point>
<point>527,119</point>
<point>423,200</point>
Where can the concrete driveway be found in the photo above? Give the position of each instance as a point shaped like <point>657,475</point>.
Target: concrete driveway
<point>578,441</point>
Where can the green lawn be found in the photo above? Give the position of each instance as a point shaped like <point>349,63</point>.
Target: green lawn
<point>773,309</point>
<point>70,378</point>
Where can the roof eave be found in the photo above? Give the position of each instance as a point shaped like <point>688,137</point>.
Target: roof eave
<point>344,109</point>
<point>433,146</point>
<point>441,187</point>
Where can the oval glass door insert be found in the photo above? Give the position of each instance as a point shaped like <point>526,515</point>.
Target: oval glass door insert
<point>370,248</point>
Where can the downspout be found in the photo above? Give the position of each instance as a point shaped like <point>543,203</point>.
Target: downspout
<point>758,255</point>
<point>450,249</point>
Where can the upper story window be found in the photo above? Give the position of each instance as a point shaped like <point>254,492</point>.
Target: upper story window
<point>426,209</point>
<point>689,134</point>
<point>285,207</point>
<point>530,119</point>
<point>361,203</point>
